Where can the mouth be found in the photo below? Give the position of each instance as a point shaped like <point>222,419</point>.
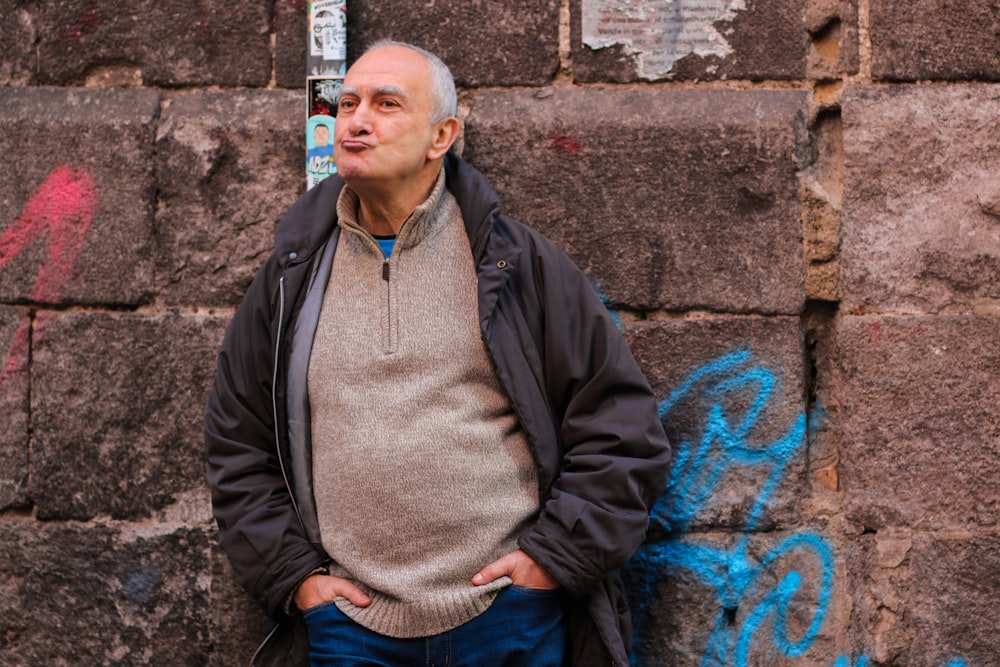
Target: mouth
<point>353,145</point>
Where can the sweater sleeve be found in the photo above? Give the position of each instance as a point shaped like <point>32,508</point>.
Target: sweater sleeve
<point>258,524</point>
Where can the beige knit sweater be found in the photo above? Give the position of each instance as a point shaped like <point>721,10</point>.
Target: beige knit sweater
<point>421,472</point>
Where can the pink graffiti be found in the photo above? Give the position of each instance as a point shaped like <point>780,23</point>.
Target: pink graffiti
<point>60,209</point>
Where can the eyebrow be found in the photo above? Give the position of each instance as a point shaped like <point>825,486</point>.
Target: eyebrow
<point>377,90</point>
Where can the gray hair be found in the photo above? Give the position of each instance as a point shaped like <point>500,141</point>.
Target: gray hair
<point>442,82</point>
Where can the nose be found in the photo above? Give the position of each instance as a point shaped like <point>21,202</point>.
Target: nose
<point>360,119</point>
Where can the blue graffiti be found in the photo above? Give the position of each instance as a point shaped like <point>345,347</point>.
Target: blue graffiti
<point>699,468</point>
<point>741,582</point>
<point>729,398</point>
<point>738,580</point>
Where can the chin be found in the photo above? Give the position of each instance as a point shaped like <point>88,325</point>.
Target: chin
<point>350,171</point>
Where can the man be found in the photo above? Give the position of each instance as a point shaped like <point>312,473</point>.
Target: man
<point>427,442</point>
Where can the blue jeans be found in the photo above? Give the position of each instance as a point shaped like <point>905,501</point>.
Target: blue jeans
<point>522,628</point>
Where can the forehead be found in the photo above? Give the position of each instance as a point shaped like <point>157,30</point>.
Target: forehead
<point>390,66</point>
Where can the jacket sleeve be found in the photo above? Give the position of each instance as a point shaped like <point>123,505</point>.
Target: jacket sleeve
<point>259,528</point>
<point>614,454</point>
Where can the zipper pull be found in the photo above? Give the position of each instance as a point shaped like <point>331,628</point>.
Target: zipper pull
<point>385,270</point>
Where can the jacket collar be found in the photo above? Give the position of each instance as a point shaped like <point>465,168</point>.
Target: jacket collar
<point>480,204</point>
<point>308,223</point>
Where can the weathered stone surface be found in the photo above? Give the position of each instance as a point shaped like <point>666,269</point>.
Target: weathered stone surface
<point>290,34</point>
<point>104,595</point>
<point>17,57</point>
<point>229,165</point>
<point>733,400</point>
<point>483,43</point>
<point>77,220</point>
<point>14,353</point>
<point>833,31</point>
<point>719,599</point>
<point>917,421</point>
<point>673,612</point>
<point>825,500</point>
<point>954,607</point>
<point>238,624</point>
<point>117,407</point>
<point>880,582</point>
<point>925,599</point>
<point>928,39</point>
<point>669,199</point>
<point>764,40</point>
<point>172,42</point>
<point>921,219</point>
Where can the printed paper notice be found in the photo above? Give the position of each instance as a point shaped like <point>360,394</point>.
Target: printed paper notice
<point>659,33</point>
<point>328,29</point>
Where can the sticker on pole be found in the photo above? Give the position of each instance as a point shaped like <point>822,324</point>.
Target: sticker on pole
<point>319,149</point>
<point>328,30</point>
<point>326,64</point>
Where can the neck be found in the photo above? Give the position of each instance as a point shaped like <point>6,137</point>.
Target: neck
<point>382,211</point>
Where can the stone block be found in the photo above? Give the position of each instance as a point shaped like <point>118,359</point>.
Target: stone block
<point>668,199</point>
<point>917,420</point>
<point>624,41</point>
<point>117,406</point>
<point>833,31</point>
<point>732,398</point>
<point>14,386</point>
<point>290,34</point>
<point>921,199</point>
<point>953,611</point>
<point>724,599</point>
<point>483,43</point>
<point>155,42</point>
<point>229,164</point>
<point>927,39</point>
<point>76,224</point>
<point>104,595</point>
<point>17,55</point>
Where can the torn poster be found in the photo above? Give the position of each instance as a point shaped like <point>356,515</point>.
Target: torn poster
<point>659,33</point>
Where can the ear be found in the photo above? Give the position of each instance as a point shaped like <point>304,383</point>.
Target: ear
<point>445,134</point>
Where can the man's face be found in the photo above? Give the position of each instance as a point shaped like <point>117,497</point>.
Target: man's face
<point>383,131</point>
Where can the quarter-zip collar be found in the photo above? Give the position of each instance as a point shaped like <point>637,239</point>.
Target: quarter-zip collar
<point>417,225</point>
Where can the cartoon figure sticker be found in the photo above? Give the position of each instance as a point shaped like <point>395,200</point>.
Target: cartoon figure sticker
<point>328,29</point>
<point>319,149</point>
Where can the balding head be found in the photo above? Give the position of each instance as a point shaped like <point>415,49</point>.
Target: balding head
<point>445,99</point>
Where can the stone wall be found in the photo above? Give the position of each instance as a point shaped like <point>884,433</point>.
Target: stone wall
<point>797,228</point>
